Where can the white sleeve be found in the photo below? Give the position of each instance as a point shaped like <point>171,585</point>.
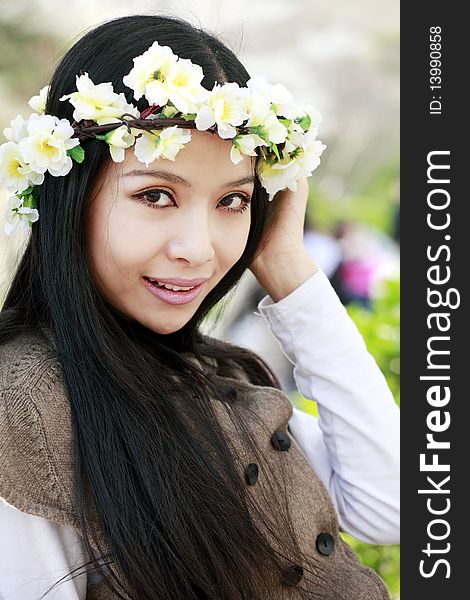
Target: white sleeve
<point>34,554</point>
<point>354,445</point>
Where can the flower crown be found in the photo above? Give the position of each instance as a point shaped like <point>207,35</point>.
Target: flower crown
<point>261,119</point>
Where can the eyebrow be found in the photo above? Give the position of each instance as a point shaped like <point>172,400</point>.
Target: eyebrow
<point>173,178</point>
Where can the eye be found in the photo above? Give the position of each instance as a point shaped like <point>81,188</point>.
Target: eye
<point>241,202</point>
<point>156,196</point>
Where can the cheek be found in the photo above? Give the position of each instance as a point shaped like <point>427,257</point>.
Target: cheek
<point>121,239</point>
<point>232,243</point>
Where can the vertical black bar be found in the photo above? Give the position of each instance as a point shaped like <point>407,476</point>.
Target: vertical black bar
<point>435,271</point>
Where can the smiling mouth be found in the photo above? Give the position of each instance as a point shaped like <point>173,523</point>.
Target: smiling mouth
<point>171,296</point>
<point>170,286</point>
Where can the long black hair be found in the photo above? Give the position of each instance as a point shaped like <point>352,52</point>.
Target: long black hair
<point>151,460</point>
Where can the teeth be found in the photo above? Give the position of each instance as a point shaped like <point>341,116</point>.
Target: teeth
<point>169,286</point>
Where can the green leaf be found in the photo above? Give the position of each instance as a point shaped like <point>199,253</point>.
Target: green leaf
<point>286,122</point>
<point>274,149</point>
<point>304,122</point>
<point>26,192</point>
<point>189,116</point>
<point>77,154</point>
<point>258,130</point>
<point>168,111</point>
<point>29,201</point>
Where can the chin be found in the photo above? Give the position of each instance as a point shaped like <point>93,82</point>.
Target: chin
<point>167,329</point>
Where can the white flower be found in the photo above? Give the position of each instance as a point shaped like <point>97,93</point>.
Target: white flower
<point>295,138</point>
<point>278,176</point>
<point>149,74</point>
<point>278,96</point>
<point>282,102</point>
<point>306,121</point>
<point>38,103</point>
<point>257,106</point>
<point>309,159</point>
<point>245,144</point>
<point>165,144</point>
<point>99,102</point>
<point>45,147</point>
<point>313,113</point>
<point>271,129</point>
<point>15,174</point>
<point>226,106</point>
<point>18,216</point>
<point>17,130</point>
<point>285,173</point>
<point>263,121</point>
<point>184,86</point>
<point>119,139</point>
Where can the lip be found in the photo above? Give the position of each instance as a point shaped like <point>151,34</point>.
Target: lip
<point>181,282</point>
<point>171,297</point>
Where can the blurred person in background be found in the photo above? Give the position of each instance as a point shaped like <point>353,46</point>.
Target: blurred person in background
<point>367,257</point>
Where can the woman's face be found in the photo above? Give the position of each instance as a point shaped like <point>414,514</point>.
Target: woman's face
<point>172,220</point>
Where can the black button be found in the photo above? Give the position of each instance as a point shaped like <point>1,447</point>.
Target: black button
<point>251,473</point>
<point>229,392</point>
<point>292,575</point>
<point>280,440</point>
<point>325,544</point>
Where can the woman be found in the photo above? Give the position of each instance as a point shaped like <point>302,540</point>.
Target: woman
<point>170,462</point>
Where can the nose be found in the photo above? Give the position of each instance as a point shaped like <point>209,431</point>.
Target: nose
<point>192,240</point>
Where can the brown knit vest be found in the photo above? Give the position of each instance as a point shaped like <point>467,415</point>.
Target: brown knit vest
<point>37,468</point>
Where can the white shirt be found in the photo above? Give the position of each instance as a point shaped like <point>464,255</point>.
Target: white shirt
<point>353,445</point>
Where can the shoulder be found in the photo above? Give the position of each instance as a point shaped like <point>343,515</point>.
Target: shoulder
<point>26,358</point>
<point>35,429</point>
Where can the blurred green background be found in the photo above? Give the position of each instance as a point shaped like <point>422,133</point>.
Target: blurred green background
<point>343,57</point>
